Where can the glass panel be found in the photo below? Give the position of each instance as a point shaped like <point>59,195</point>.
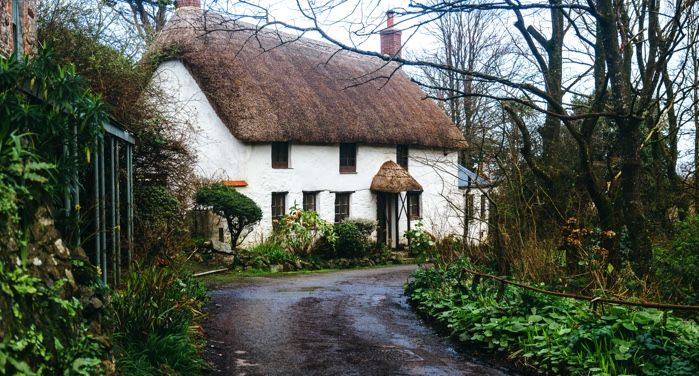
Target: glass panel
<point>402,156</point>
<point>278,205</point>
<point>280,155</point>
<point>348,157</point>
<point>309,201</point>
<point>342,206</point>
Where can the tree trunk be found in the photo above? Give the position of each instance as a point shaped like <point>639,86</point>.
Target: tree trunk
<point>630,135</point>
<point>234,234</point>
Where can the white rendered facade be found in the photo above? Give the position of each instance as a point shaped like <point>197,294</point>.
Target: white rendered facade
<point>313,168</point>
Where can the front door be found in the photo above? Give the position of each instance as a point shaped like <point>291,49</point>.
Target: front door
<point>386,216</point>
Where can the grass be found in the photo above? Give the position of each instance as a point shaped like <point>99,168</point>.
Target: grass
<point>213,281</point>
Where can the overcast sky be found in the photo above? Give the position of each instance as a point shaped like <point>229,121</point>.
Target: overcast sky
<point>356,22</point>
<point>341,23</point>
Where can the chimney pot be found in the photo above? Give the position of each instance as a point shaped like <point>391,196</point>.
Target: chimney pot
<point>390,37</point>
<point>187,4</point>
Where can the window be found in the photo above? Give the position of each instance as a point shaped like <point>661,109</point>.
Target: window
<point>402,156</point>
<point>17,27</point>
<point>414,211</point>
<point>342,206</point>
<point>280,155</point>
<point>278,205</point>
<point>348,158</point>
<point>469,206</point>
<point>309,201</point>
<point>484,206</point>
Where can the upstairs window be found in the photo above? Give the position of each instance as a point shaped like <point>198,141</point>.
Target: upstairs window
<point>469,206</point>
<point>309,201</point>
<point>278,205</point>
<point>17,28</point>
<point>484,207</point>
<point>280,155</point>
<point>348,158</point>
<point>414,205</point>
<point>402,156</point>
<point>342,206</point>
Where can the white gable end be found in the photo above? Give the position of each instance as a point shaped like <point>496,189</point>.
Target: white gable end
<point>219,154</point>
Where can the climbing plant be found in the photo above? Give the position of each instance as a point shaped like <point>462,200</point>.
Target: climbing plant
<point>48,122</point>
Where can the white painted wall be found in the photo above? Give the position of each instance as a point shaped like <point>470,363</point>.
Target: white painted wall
<point>219,154</point>
<point>311,167</point>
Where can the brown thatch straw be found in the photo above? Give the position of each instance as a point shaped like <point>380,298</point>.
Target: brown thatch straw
<point>271,86</point>
<point>393,178</point>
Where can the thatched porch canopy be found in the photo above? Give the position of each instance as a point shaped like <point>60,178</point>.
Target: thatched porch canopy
<point>393,178</point>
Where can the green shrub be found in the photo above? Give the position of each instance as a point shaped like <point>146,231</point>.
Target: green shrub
<point>365,226</point>
<point>159,222</point>
<point>421,242</point>
<point>270,253</point>
<point>43,332</point>
<point>677,267</point>
<point>300,229</point>
<point>241,213</point>
<point>351,243</point>
<point>34,168</point>
<point>555,335</point>
<point>155,317</point>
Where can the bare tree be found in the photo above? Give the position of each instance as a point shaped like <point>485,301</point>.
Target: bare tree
<point>615,53</point>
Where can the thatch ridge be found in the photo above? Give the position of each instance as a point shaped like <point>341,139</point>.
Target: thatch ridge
<point>272,86</point>
<point>393,178</point>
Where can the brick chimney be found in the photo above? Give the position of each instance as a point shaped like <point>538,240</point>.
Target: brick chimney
<point>187,4</point>
<point>390,37</point>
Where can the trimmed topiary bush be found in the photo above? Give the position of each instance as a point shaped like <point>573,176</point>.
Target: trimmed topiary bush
<point>241,212</point>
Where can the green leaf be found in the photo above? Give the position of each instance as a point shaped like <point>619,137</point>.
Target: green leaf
<point>534,318</point>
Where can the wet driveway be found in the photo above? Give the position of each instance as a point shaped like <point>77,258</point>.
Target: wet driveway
<point>343,323</point>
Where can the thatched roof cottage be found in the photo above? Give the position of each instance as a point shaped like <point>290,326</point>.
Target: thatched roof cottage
<point>293,121</point>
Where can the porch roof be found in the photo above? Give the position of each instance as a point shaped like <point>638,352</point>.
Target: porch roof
<point>393,178</point>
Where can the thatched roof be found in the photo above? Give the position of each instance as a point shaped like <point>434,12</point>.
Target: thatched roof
<point>393,178</point>
<point>271,86</point>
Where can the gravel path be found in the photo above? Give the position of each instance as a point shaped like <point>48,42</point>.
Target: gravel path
<point>343,323</point>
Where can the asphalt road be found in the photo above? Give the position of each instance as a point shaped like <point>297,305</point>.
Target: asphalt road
<point>344,323</point>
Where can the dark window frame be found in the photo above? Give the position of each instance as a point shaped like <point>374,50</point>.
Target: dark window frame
<point>280,155</point>
<point>17,31</point>
<point>278,209</point>
<point>484,206</point>
<point>343,202</point>
<point>470,205</point>
<point>310,195</point>
<point>402,153</point>
<point>414,205</point>
<point>348,158</point>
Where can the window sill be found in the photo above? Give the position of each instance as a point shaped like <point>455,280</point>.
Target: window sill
<point>348,172</point>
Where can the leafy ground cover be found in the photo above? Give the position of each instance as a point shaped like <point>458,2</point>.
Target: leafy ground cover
<point>555,335</point>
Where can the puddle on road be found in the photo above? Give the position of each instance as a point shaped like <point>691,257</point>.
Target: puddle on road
<point>305,289</point>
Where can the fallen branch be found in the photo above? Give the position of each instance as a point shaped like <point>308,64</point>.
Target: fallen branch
<point>210,272</point>
<point>592,299</point>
